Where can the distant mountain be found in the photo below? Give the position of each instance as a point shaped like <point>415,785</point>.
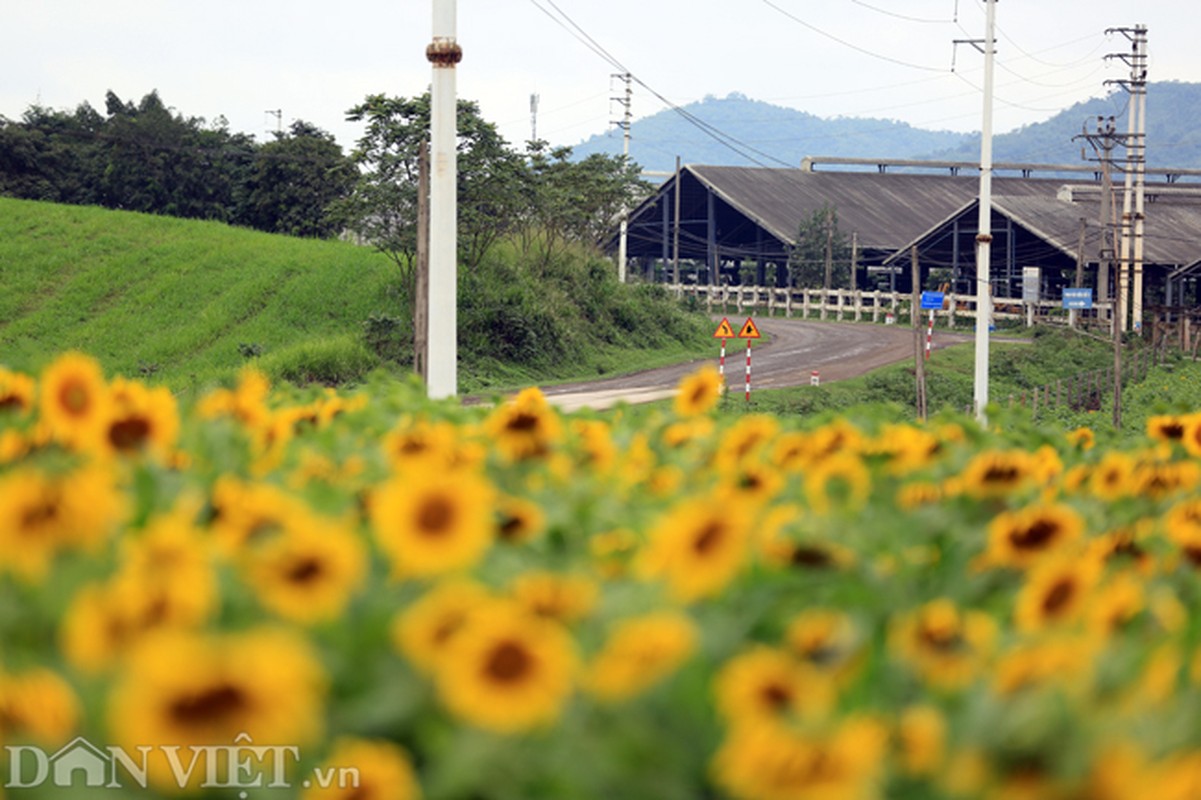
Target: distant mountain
<point>759,133</point>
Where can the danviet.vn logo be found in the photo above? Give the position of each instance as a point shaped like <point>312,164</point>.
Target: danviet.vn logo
<point>239,765</point>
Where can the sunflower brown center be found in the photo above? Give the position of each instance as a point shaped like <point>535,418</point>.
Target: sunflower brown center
<point>1034,536</point>
<point>776,696</point>
<point>1000,473</point>
<point>508,663</point>
<point>522,422</point>
<point>306,570</point>
<point>75,398</point>
<point>435,516</point>
<point>708,538</point>
<point>943,638</point>
<point>215,703</point>
<point>1059,596</point>
<point>39,514</point>
<point>511,527</point>
<point>1173,431</point>
<point>129,434</point>
<point>811,557</point>
<point>10,401</point>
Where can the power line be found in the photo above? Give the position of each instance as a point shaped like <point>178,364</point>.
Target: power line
<point>905,17</point>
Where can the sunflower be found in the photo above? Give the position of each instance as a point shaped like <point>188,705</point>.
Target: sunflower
<point>518,519</point>
<point>1019,538</point>
<point>698,547</point>
<point>38,704</point>
<point>764,684</point>
<point>698,392</point>
<point>1192,434</point>
<point>42,516</point>
<point>839,481</point>
<point>1056,592</point>
<point>525,427</point>
<point>945,645</point>
<point>1166,427</point>
<point>507,670</point>
<point>1112,477</point>
<point>433,522</point>
<point>918,493</point>
<point>367,769</point>
<point>613,551</point>
<point>747,438</point>
<point>1082,439</point>
<point>308,572</point>
<point>1115,604</point>
<point>430,444</point>
<point>1065,661</point>
<point>565,598</point>
<point>922,739</point>
<point>827,640</point>
<point>246,403</point>
<point>683,432</point>
<point>1182,523</point>
<point>1125,548</point>
<point>997,473</point>
<point>183,689</point>
<point>16,393</point>
<point>424,630</point>
<point>140,420</point>
<point>773,762</point>
<point>74,400</point>
<point>597,452</point>
<point>243,512</point>
<point>1159,479</point>
<point>639,652</point>
<point>905,448</point>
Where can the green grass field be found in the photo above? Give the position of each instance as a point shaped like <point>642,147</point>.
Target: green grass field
<point>186,303</point>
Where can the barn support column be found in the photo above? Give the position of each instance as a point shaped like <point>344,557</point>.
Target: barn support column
<point>665,239</point>
<point>711,237</point>
<point>955,255</point>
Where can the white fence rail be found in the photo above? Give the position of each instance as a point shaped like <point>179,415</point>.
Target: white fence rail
<point>862,306</point>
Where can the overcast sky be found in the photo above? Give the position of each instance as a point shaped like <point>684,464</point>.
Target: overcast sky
<point>314,60</point>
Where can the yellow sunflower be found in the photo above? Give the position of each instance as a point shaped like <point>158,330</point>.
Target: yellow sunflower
<point>1064,661</point>
<point>1082,438</point>
<point>566,598</point>
<point>774,762</point>
<point>749,437</point>
<point>38,704</point>
<point>74,400</point>
<point>1020,538</point>
<point>997,473</point>
<point>424,630</point>
<point>183,689</point>
<point>698,392</point>
<point>518,519</point>
<point>507,670</point>
<point>1159,479</point>
<point>1166,427</point>
<point>308,572</point>
<point>596,449</point>
<point>1056,592</point>
<point>698,547</point>
<point>525,427</point>
<point>140,420</point>
<point>764,684</point>
<point>433,522</point>
<point>42,516</point>
<point>839,481</point>
<point>922,739</point>
<point>17,392</point>
<point>365,769</point>
<point>1192,434</point>
<point>827,640</point>
<point>638,653</point>
<point>947,646</point>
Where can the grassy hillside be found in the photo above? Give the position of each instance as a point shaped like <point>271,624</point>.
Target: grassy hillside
<point>187,303</point>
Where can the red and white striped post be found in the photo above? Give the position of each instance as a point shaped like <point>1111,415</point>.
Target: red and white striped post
<point>748,370</point>
<point>930,335</point>
<point>721,365</point>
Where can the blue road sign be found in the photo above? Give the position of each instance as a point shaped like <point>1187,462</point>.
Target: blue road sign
<point>1077,298</point>
<point>932,301</point>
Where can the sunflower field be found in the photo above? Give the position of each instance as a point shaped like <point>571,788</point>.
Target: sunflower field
<point>366,595</point>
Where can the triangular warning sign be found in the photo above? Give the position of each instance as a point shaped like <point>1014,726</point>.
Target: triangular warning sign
<point>724,330</point>
<point>749,331</point>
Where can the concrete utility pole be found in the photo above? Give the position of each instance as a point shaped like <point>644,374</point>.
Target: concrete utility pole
<point>624,124</point>
<point>984,228</point>
<point>421,302</point>
<point>1135,169</point>
<point>533,117</point>
<point>442,314</point>
<point>675,247</point>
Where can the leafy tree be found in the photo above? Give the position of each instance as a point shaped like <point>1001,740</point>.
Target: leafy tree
<point>382,209</point>
<point>51,155</point>
<point>293,181</point>
<point>807,261</point>
<point>573,202</point>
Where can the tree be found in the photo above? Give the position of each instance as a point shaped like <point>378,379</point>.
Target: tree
<point>573,201</point>
<point>382,208</point>
<point>294,180</point>
<point>808,259</point>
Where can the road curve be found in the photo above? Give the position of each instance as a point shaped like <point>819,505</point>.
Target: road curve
<point>794,348</point>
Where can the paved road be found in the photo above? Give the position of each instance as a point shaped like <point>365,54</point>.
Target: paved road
<point>838,350</point>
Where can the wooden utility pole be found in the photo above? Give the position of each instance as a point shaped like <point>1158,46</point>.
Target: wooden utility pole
<point>919,361</point>
<point>421,288</point>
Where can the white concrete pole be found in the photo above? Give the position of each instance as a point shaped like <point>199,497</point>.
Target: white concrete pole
<point>984,236</point>
<point>443,53</point>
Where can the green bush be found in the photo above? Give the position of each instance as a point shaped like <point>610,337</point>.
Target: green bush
<point>334,361</point>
